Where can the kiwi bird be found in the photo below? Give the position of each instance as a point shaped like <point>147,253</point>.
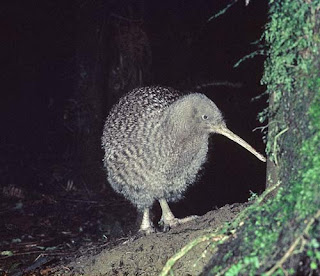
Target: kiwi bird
<point>155,142</point>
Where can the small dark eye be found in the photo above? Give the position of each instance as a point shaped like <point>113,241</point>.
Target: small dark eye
<point>205,117</point>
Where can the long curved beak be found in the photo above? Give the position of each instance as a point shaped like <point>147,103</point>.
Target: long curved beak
<point>228,133</point>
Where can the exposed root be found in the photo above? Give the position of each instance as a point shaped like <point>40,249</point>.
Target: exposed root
<point>213,237</point>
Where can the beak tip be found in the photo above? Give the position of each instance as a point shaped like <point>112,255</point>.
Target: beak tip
<point>228,133</point>
<point>261,157</point>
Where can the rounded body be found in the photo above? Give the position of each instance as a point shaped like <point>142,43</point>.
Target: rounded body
<point>148,154</point>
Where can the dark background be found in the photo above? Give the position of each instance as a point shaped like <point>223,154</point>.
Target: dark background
<point>44,90</point>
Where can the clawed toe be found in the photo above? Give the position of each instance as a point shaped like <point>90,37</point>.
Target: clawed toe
<point>168,220</point>
<point>187,219</point>
<point>146,231</point>
<point>173,222</point>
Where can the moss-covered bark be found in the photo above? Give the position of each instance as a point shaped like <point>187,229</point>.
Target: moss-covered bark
<point>281,236</point>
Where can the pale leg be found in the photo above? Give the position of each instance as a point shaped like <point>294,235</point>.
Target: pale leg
<point>146,224</point>
<point>168,219</point>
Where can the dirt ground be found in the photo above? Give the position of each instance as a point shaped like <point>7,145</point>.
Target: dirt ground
<point>147,255</point>
<point>68,235</point>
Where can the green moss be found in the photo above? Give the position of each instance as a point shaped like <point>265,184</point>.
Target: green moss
<point>291,39</point>
<point>292,78</point>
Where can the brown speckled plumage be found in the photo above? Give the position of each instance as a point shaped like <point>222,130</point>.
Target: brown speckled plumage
<point>155,142</point>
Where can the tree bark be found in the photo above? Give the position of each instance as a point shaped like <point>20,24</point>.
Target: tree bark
<point>279,234</point>
<point>113,56</point>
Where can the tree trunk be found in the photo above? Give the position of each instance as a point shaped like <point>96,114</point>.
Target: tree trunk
<point>279,235</point>
<point>113,56</point>
<point>130,53</point>
<point>87,105</point>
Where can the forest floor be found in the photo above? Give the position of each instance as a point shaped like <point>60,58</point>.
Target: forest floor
<point>69,236</point>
